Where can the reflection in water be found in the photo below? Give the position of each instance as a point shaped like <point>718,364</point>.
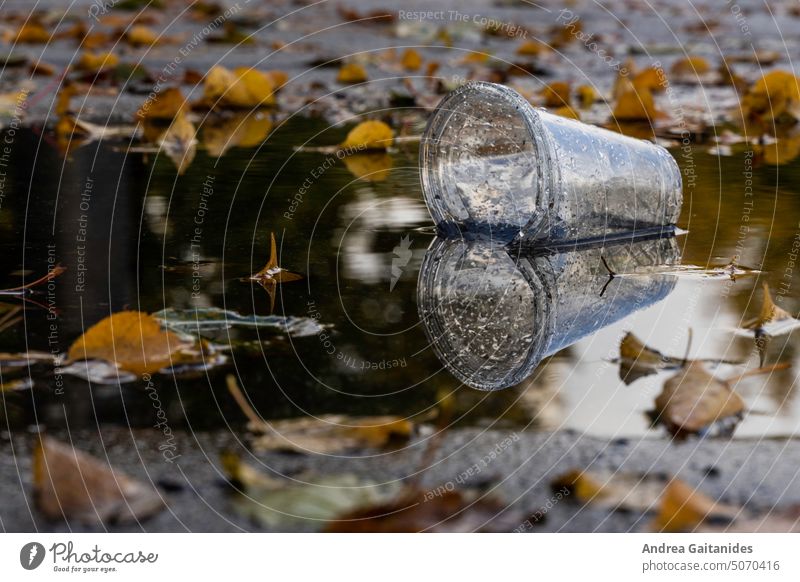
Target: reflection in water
<point>492,314</point>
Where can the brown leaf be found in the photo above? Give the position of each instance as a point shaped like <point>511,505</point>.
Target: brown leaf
<point>329,433</point>
<point>693,399</point>
<point>616,491</point>
<point>135,341</point>
<point>770,313</point>
<point>70,484</point>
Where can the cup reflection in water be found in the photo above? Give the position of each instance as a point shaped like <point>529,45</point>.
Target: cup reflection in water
<point>492,313</point>
<point>492,162</point>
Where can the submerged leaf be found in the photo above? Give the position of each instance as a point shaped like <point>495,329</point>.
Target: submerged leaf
<point>179,142</point>
<point>133,340</point>
<point>70,484</point>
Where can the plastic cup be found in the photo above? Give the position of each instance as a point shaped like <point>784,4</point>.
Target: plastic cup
<point>492,162</point>
<point>491,315</point>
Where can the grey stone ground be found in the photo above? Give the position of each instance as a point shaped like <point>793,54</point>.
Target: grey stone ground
<point>762,475</point>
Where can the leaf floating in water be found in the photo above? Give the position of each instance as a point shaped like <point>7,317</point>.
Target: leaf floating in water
<point>306,502</point>
<point>693,400</point>
<point>70,484</point>
<point>179,143</point>
<point>326,434</point>
<point>637,360</point>
<point>369,135</point>
<point>211,319</point>
<point>134,341</point>
<point>772,320</point>
<point>271,275</point>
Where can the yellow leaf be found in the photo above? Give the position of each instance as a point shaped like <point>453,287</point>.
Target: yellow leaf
<point>652,80</point>
<point>531,48</point>
<point>475,58</point>
<point>568,112</point>
<point>556,94</point>
<point>587,96</point>
<point>96,62</point>
<point>135,341</point>
<point>239,130</point>
<point>278,78</point>
<point>635,105</point>
<point>179,142</point>
<point>167,104</point>
<point>683,508</point>
<point>690,66</point>
<point>32,33</point>
<point>240,88</point>
<point>411,60</point>
<point>774,94</point>
<point>351,73</point>
<point>140,35</point>
<point>369,135</point>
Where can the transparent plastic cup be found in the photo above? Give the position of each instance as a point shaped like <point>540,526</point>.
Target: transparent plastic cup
<point>491,314</point>
<point>492,162</point>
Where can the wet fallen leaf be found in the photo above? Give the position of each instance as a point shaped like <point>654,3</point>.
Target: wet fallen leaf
<point>782,151</point>
<point>133,340</point>
<point>690,66</point>
<point>369,166</point>
<point>326,434</point>
<point>635,105</point>
<point>637,360</point>
<point>32,33</point>
<point>91,62</point>
<point>568,112</point>
<point>179,143</point>
<point>369,135</point>
<point>167,104</point>
<point>242,88</point>
<point>774,95</point>
<point>272,274</point>
<point>351,73</point>
<point>772,319</point>
<point>411,60</point>
<point>684,508</point>
<point>242,129</point>
<point>693,400</point>
<point>587,96</point>
<point>556,94</point>
<point>650,80</point>
<point>531,48</point>
<point>305,502</point>
<point>615,491</point>
<point>70,484</point>
<point>140,36</point>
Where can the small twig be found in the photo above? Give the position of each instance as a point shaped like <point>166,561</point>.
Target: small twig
<point>52,274</point>
<point>236,392</point>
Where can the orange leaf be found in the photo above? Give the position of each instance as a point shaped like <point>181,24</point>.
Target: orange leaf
<point>135,341</point>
